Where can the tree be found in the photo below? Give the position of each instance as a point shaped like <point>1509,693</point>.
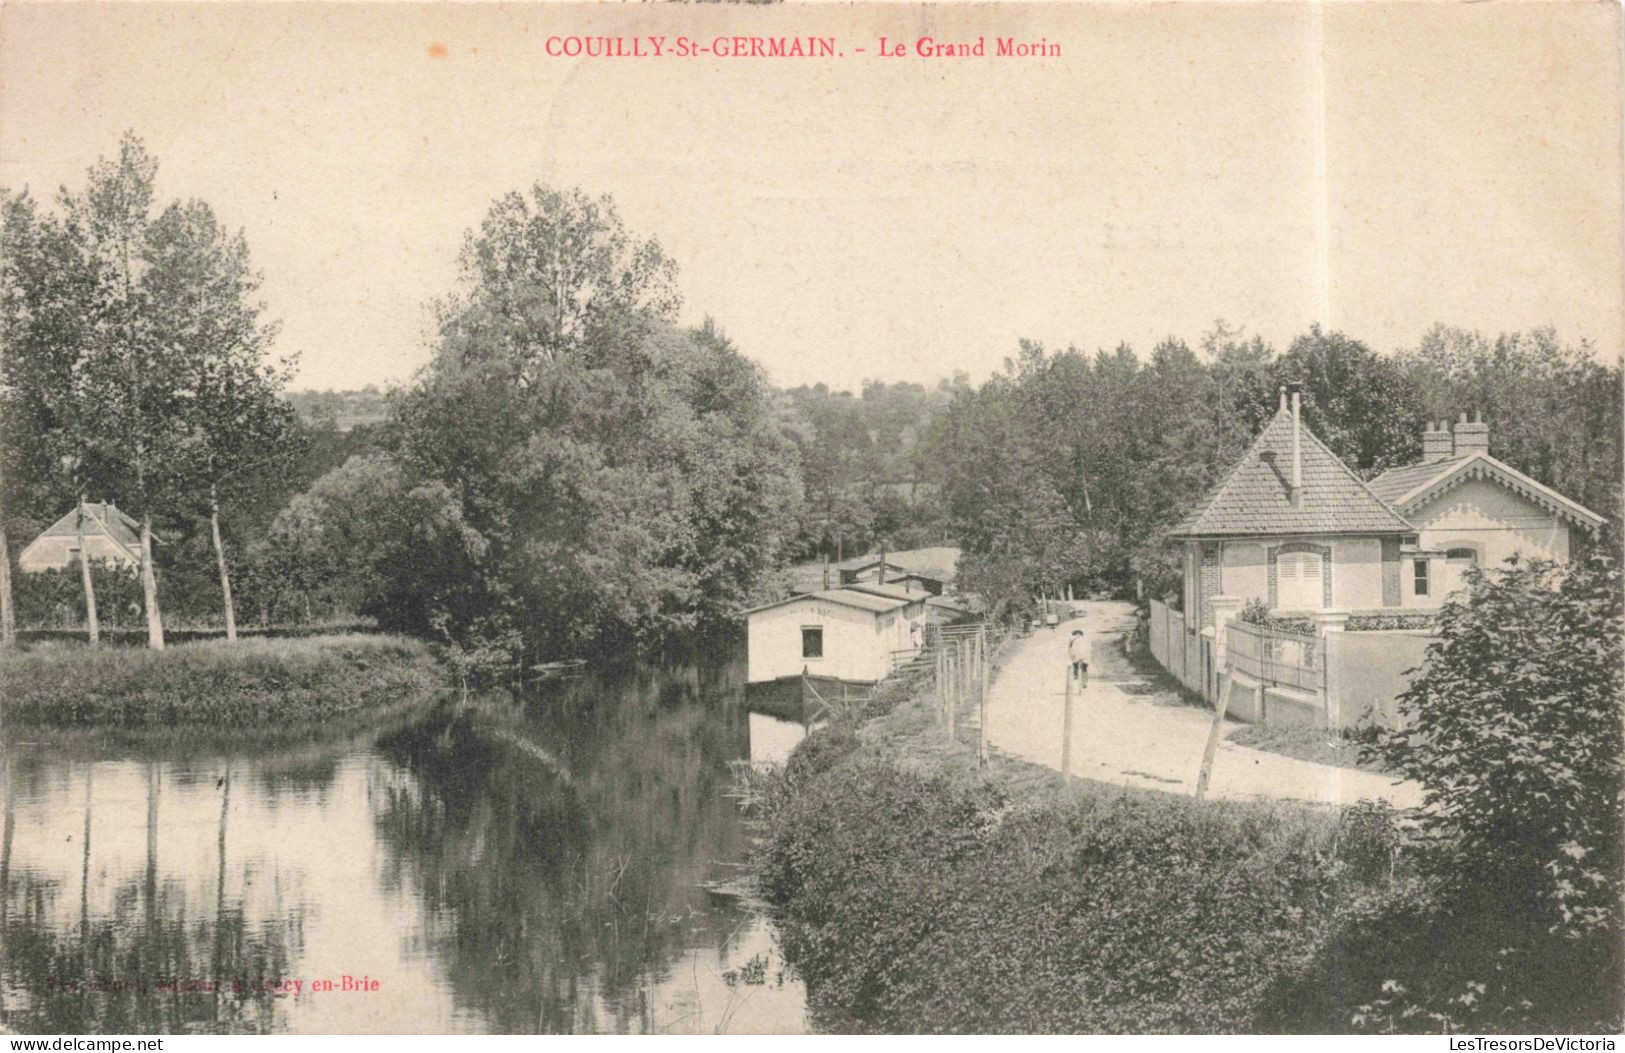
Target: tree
<point>551,277</point>
<point>1513,726</point>
<point>8,613</point>
<point>135,357</point>
<point>1359,403</point>
<point>232,428</point>
<point>363,538</point>
<point>56,397</point>
<point>1554,410</point>
<point>627,478</point>
<point>131,380</point>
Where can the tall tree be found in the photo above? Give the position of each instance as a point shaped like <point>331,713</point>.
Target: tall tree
<point>136,357</point>
<point>1554,410</point>
<point>57,396</point>
<point>1358,402</point>
<point>134,380</point>
<point>231,426</point>
<point>625,480</point>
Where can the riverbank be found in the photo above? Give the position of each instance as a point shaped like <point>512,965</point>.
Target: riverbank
<point>916,892</point>
<point>277,688</point>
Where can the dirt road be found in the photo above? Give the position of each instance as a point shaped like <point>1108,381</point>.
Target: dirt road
<point>1127,730</point>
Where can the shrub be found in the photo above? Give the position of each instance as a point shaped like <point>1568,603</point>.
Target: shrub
<point>1387,622</point>
<point>1514,729</point>
<point>1257,612</point>
<point>253,683</point>
<point>913,902</point>
<point>821,751</point>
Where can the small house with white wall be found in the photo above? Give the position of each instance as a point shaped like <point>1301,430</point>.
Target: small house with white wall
<point>853,635</point>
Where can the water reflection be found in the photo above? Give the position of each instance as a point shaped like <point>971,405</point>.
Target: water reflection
<point>556,863</point>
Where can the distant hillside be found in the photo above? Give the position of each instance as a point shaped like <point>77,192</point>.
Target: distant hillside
<point>340,410</point>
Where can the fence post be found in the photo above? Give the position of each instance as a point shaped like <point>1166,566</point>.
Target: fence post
<point>941,684</point>
<point>1221,704</point>
<point>1066,731</point>
<point>957,686</point>
<point>981,731</point>
<point>1329,626</point>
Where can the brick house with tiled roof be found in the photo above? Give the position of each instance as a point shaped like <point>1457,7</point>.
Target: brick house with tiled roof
<point>1290,524</point>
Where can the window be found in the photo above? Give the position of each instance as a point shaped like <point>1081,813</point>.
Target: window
<point>1420,578</point>
<point>1299,584</point>
<point>812,641</point>
<point>1461,555</point>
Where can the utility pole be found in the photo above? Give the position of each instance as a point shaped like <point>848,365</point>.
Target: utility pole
<point>1066,731</point>
<point>1213,736</point>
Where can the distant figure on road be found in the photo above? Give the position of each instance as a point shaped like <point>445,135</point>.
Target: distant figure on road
<point>1077,650</point>
<point>1051,619</point>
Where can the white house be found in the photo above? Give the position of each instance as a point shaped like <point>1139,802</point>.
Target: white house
<point>851,635</point>
<point>110,535</point>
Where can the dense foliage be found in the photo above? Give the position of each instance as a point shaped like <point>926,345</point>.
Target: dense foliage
<point>134,365</point>
<point>915,902</point>
<point>1514,729</point>
<point>1068,469</point>
<point>571,470</point>
<point>866,466</point>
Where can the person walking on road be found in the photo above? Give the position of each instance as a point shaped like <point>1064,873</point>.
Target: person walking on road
<point>1077,652</point>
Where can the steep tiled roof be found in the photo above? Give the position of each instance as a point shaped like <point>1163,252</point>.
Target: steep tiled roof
<point>1253,498</point>
<point>1397,482</point>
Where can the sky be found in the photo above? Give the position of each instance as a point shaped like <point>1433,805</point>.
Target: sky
<point>1374,167</point>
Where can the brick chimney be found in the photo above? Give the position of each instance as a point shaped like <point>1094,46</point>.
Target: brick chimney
<point>1436,444</point>
<point>1472,436</point>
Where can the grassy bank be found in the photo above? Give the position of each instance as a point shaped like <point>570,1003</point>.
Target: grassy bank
<point>1341,749</point>
<point>917,893</point>
<point>278,687</point>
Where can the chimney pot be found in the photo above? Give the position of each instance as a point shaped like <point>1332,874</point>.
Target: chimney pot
<point>1436,443</point>
<point>1471,437</point>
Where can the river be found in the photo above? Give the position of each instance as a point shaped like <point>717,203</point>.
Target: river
<point>549,865</point>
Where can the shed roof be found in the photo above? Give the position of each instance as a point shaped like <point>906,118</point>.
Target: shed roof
<point>862,599</point>
<point>890,590</point>
<point>938,562</point>
<point>1253,499</point>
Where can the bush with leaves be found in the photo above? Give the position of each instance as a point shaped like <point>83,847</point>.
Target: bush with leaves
<point>1513,728</point>
<point>916,902</point>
